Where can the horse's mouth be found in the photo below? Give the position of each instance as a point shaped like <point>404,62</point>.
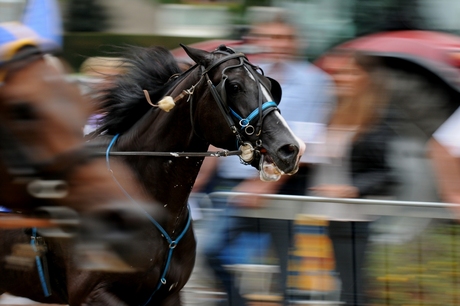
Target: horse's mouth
<point>269,171</point>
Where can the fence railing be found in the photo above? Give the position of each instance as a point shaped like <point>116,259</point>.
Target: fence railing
<point>412,256</point>
<point>288,206</point>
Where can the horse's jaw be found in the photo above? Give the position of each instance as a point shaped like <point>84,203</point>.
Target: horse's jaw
<point>269,170</point>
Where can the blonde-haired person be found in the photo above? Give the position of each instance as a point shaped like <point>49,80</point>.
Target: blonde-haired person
<point>355,154</point>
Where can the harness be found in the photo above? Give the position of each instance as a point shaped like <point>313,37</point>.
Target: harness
<point>172,244</point>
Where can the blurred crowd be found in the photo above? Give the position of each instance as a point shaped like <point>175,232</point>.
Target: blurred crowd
<point>372,131</point>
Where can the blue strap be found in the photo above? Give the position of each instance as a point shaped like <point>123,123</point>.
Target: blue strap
<point>114,139</point>
<point>41,273</point>
<point>245,121</point>
<point>5,210</point>
<point>172,246</point>
<point>172,243</point>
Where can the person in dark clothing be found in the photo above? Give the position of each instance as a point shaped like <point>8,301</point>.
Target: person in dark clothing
<point>355,147</point>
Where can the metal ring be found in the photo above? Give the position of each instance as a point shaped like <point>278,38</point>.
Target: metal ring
<point>244,123</point>
<point>249,130</point>
<point>259,142</point>
<point>172,245</point>
<point>163,281</point>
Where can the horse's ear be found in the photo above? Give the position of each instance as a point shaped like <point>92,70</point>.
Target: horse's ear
<point>201,57</point>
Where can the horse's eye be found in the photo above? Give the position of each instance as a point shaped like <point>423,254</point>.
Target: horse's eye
<point>22,111</point>
<point>234,88</point>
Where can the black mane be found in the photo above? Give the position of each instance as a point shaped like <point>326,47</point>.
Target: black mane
<point>124,103</point>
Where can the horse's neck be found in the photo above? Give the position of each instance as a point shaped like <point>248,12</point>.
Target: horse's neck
<point>169,180</point>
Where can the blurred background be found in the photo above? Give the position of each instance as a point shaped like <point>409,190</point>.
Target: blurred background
<point>413,256</point>
<point>91,24</point>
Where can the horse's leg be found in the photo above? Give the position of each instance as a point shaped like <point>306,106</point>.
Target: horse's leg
<point>89,289</point>
<point>172,300</point>
<point>99,297</point>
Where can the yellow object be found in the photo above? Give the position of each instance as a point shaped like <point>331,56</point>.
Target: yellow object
<point>311,263</point>
<point>166,104</point>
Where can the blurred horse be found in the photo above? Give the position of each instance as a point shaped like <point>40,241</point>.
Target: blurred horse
<point>85,228</point>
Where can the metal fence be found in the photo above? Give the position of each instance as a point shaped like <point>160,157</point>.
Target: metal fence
<point>412,253</point>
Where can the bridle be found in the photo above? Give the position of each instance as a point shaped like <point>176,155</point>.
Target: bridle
<point>247,136</point>
<point>246,128</point>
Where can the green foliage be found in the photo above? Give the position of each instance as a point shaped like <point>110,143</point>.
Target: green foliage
<point>85,16</point>
<point>372,16</point>
<point>425,271</point>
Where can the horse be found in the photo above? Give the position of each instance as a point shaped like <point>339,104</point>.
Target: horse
<point>163,249</point>
<point>83,225</point>
<point>160,120</point>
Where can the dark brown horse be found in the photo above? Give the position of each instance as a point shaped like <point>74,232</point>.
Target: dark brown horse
<point>223,100</point>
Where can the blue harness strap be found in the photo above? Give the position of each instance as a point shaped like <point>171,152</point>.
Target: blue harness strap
<point>172,246</point>
<point>4,209</point>
<point>41,271</point>
<point>245,121</point>
<point>172,243</point>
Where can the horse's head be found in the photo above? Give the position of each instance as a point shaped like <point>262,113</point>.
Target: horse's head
<point>245,102</point>
<point>41,113</point>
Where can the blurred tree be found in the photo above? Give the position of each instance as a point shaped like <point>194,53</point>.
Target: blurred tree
<point>386,15</point>
<point>248,3</point>
<point>86,16</point>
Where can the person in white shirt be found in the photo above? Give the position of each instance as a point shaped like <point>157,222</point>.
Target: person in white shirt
<point>444,150</point>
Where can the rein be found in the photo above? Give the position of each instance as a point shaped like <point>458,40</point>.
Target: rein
<point>223,153</point>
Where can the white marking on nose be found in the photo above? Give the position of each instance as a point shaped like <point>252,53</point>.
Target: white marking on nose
<point>265,93</point>
<point>267,96</point>
<point>300,143</point>
<point>250,74</point>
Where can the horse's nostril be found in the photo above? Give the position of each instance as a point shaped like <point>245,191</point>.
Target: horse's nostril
<point>292,148</point>
<point>288,151</point>
<point>288,158</point>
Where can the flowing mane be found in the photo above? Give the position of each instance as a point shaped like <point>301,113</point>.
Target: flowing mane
<point>124,102</point>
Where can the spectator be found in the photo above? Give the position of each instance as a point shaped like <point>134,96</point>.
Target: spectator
<point>306,102</point>
<point>355,149</point>
<point>97,72</point>
<point>445,155</point>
